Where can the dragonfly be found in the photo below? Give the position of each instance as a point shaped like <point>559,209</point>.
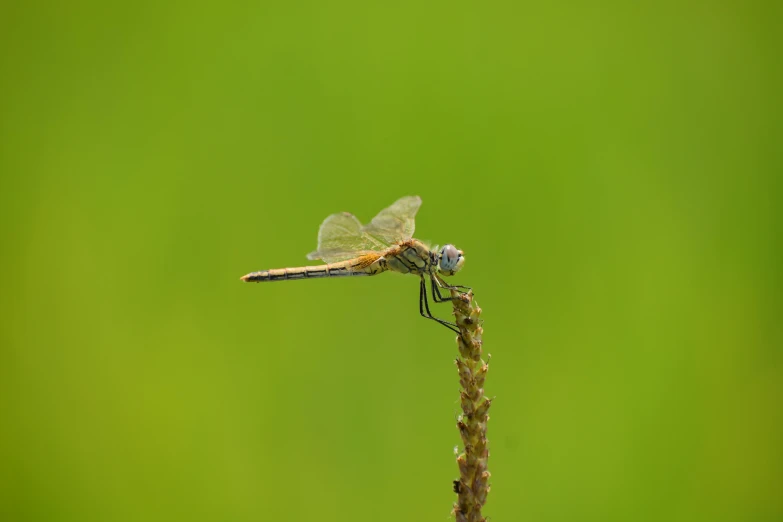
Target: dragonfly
<point>386,244</point>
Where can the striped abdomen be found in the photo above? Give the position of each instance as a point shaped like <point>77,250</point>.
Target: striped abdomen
<point>352,267</point>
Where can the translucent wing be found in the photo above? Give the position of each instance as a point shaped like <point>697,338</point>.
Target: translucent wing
<point>395,223</point>
<point>342,236</point>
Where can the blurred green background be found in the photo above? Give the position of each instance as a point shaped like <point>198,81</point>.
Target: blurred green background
<point>611,170</point>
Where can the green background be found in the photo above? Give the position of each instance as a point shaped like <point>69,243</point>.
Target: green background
<point>611,170</point>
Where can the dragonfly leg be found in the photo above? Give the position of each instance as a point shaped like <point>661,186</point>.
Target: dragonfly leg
<point>436,295</point>
<point>438,283</point>
<point>444,284</point>
<point>424,306</point>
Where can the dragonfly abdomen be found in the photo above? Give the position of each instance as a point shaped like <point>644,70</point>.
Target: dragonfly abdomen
<point>344,269</point>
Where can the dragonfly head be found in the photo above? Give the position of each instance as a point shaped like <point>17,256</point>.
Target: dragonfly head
<point>451,260</point>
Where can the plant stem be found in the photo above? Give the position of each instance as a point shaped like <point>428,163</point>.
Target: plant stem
<point>472,486</point>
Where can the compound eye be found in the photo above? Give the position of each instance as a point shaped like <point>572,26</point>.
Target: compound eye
<point>449,257</point>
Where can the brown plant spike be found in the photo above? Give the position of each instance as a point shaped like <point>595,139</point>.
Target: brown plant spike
<point>473,485</point>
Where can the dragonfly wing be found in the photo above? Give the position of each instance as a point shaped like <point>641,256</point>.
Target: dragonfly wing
<point>341,237</point>
<point>394,223</point>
